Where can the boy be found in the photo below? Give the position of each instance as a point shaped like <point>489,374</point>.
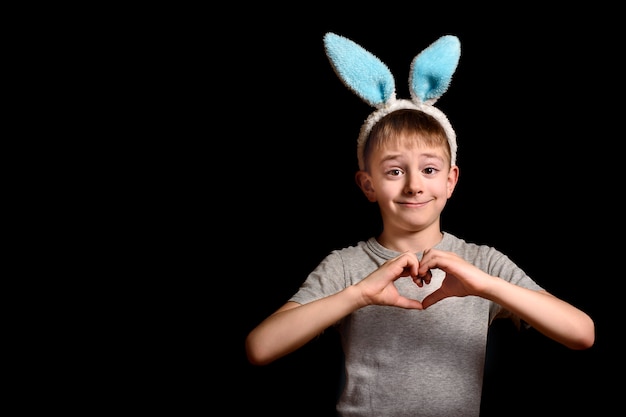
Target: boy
<point>413,305</point>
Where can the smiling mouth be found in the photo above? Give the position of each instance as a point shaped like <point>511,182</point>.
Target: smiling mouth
<point>413,203</point>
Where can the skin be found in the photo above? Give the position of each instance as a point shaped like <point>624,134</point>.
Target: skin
<point>412,186</point>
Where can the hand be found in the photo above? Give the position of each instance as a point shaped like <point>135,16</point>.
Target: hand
<point>462,278</point>
<point>378,287</point>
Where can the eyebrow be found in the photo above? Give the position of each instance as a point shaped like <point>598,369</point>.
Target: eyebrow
<point>432,156</point>
<point>399,155</point>
<point>391,156</point>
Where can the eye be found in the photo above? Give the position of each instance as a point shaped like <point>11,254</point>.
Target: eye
<point>394,172</point>
<point>430,171</point>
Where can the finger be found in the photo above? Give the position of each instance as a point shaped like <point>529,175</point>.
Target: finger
<point>409,303</point>
<point>426,264</point>
<point>409,263</point>
<point>420,280</point>
<point>427,276</point>
<point>433,298</point>
<point>423,261</point>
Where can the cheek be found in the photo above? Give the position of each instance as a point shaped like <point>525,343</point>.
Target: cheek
<point>388,189</point>
<point>442,189</point>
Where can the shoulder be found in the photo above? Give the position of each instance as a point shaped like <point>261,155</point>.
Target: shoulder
<point>481,255</point>
<point>489,259</point>
<point>455,244</point>
<point>353,262</point>
<point>368,249</point>
<point>350,254</point>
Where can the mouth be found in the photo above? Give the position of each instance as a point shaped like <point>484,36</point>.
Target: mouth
<point>413,204</point>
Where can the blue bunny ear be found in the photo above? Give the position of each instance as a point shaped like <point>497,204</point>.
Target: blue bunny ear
<point>432,69</point>
<point>367,76</point>
<point>362,72</point>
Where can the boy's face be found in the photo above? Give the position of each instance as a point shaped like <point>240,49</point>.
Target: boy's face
<point>411,185</point>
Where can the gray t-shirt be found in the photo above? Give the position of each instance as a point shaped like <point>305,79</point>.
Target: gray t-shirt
<point>401,362</point>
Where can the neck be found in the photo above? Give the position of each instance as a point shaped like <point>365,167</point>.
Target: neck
<point>413,242</point>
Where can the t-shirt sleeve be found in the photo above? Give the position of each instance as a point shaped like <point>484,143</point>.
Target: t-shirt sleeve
<point>500,265</point>
<point>326,279</point>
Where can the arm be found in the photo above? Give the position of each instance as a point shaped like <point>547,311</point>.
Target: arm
<point>548,314</point>
<point>294,325</point>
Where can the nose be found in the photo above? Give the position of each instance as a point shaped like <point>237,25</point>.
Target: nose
<point>413,185</point>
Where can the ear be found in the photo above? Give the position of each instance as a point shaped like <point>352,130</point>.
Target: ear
<point>364,181</point>
<point>453,179</point>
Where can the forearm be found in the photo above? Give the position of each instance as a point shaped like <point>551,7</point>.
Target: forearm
<point>548,314</point>
<point>289,329</point>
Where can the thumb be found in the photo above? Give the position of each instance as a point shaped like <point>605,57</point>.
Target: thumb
<point>433,298</point>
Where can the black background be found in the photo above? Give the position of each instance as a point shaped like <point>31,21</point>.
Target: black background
<point>225,155</point>
<point>536,108</point>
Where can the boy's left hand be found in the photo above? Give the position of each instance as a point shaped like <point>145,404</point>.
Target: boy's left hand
<point>462,278</point>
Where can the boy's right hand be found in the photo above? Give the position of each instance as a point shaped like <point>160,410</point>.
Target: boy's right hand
<point>378,287</point>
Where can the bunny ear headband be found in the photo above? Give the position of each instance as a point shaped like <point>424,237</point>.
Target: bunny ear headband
<point>369,78</point>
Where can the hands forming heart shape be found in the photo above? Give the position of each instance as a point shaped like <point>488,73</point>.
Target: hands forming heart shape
<point>461,279</point>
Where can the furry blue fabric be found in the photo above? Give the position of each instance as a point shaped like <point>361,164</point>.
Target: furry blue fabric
<point>432,69</point>
<point>368,77</point>
<point>362,72</point>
